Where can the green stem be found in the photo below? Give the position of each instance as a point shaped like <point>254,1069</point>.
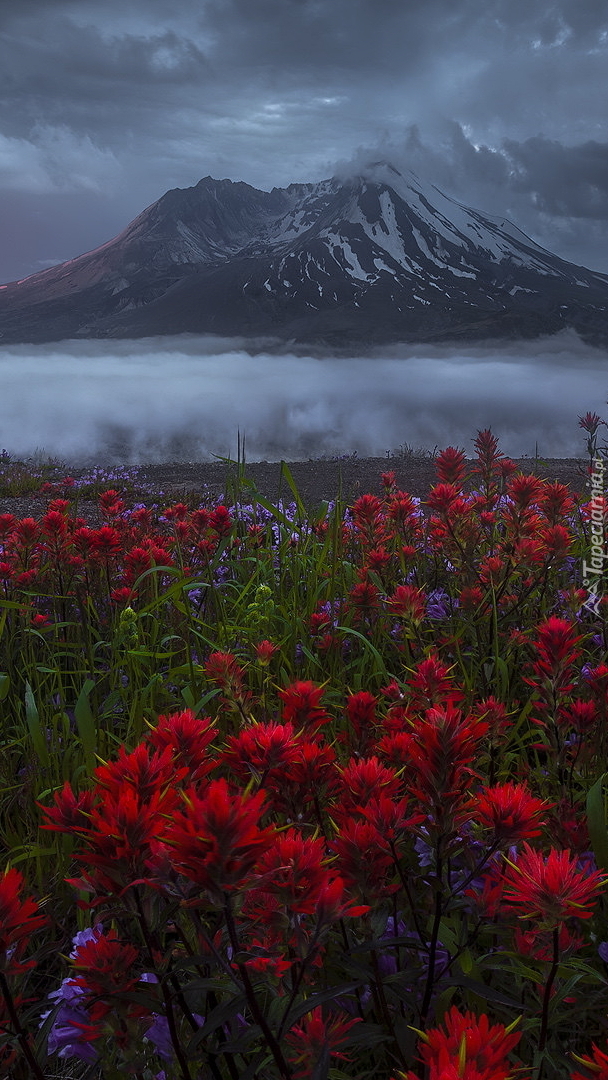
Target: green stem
<point>181,1060</point>
<point>544,1024</point>
<point>252,1000</point>
<point>19,1030</point>
<point>430,978</point>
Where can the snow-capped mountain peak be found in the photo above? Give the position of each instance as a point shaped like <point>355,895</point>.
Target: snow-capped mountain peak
<point>377,256</point>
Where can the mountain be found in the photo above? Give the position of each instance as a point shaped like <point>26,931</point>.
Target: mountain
<point>375,258</point>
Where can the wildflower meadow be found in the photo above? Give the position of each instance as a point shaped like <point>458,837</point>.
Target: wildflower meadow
<point>289,794</point>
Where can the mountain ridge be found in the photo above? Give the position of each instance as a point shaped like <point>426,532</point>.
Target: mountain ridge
<point>370,259</point>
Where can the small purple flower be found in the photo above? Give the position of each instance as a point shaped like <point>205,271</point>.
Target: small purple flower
<point>81,938</point>
<point>439,604</point>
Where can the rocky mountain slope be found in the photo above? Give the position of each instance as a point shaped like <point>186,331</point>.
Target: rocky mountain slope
<point>374,258</point>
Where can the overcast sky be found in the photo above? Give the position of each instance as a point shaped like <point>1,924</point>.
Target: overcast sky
<point>106,104</point>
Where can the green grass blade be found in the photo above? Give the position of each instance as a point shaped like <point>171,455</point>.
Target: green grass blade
<point>85,723</point>
<point>34,727</point>
<point>596,822</point>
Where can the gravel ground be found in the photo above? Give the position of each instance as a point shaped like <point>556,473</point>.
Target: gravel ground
<point>316,481</point>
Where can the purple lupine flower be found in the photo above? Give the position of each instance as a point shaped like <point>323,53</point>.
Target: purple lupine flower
<point>439,604</point>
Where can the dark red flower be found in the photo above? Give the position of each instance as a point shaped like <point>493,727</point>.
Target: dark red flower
<point>365,860</point>
<point>596,1065</point>
<point>294,871</point>
<point>510,811</point>
<point>302,708</point>
<point>104,967</point>
<point>106,542</point>
<point>524,490</point>
<point>450,466</point>
<point>262,749</point>
<point>432,683</point>
<point>363,779</point>
<point>71,812</point>
<point>407,602</point>
<point>188,738</point>
<point>215,840</point>
<point>316,1039</point>
<point>147,770</point>
<point>19,919</point>
<point>551,888</point>
<point>467,1047</point>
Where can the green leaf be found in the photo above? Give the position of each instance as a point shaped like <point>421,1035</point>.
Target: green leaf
<point>33,722</point>
<point>315,1000</point>
<point>86,725</point>
<point>5,685</point>
<point>381,666</point>
<point>596,822</point>
<point>286,474</point>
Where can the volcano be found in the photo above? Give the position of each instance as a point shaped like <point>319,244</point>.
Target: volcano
<point>376,258</point>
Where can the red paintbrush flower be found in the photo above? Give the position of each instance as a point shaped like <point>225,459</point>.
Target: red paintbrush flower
<point>556,646</point>
<point>451,466</point>
<point>488,454</point>
<point>391,817</point>
<point>105,543</point>
<point>26,531</point>
<point>432,684</point>
<point>556,542</point>
<point>556,501</point>
<point>368,513</point>
<point>524,490</point>
<point>495,714</point>
<point>364,860</point>
<point>316,1039</point>
<point>264,651</point>
<point>590,422</point>
<point>294,871</point>
<point>111,503</point>
<point>302,708</point>
<point>510,811</point>
<point>551,888</point>
<point>468,1045</point>
<point>261,749</point>
<point>442,498</point>
<point>361,712</point>
<point>224,670</point>
<point>363,779</point>
<point>7,525</point>
<point>444,743</point>
<point>104,967</point>
<point>71,812</point>
<point>147,770</point>
<point>578,714</point>
<point>55,525</point>
<point>364,598</point>
<point>220,521</point>
<point>407,602</point>
<point>596,1066</point>
<point>215,841</point>
<point>121,839</point>
<point>309,777</point>
<point>19,919</point>
<point>188,738</point>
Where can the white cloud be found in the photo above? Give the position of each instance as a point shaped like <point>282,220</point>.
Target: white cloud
<point>56,159</point>
<point>186,398</point>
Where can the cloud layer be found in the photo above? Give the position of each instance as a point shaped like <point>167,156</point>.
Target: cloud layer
<point>190,398</point>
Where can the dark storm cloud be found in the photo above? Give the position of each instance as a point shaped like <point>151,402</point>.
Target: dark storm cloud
<point>119,101</point>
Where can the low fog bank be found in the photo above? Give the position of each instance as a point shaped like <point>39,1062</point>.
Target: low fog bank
<point>189,398</point>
